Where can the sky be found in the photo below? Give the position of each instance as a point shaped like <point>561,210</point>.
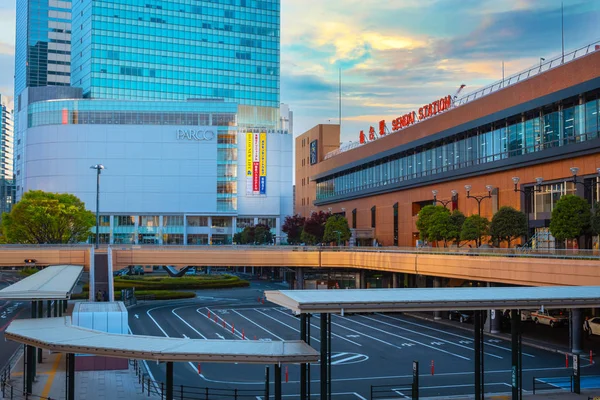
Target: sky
<point>396,55</point>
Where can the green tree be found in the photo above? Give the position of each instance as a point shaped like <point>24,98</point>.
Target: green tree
<point>570,217</point>
<point>508,224</point>
<point>595,220</point>
<point>259,234</point>
<point>315,225</point>
<point>335,224</point>
<point>439,225</point>
<point>308,239</point>
<point>475,228</point>
<point>292,227</point>
<point>457,219</point>
<point>424,220</point>
<point>48,218</point>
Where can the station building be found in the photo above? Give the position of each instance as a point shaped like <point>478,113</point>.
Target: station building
<point>540,123</point>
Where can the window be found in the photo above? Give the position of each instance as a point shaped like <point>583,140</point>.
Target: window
<point>396,224</point>
<point>373,216</point>
<point>197,221</point>
<point>354,219</point>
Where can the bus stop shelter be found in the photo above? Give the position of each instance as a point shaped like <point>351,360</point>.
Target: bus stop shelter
<point>327,302</point>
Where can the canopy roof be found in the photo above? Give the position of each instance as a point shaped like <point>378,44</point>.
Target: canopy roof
<point>59,335</point>
<point>51,283</point>
<point>433,299</point>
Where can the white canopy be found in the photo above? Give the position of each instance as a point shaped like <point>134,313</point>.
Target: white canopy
<point>434,299</point>
<point>59,335</point>
<point>51,283</point>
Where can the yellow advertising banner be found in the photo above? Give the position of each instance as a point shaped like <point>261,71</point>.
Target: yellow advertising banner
<point>249,160</point>
<point>263,154</point>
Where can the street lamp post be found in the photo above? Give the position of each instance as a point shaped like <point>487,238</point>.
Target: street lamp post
<point>479,199</point>
<point>574,171</point>
<point>98,168</point>
<point>444,202</point>
<point>339,236</point>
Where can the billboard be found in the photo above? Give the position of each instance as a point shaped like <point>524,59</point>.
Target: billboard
<point>313,152</point>
<point>256,163</point>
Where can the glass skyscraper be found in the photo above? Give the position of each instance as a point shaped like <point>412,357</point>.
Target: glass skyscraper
<point>43,44</point>
<point>225,50</point>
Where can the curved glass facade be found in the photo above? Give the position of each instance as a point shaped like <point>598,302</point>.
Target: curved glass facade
<point>534,131</point>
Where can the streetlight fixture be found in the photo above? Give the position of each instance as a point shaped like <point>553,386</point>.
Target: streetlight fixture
<point>444,202</point>
<point>479,199</point>
<point>536,188</point>
<point>98,168</point>
<point>575,170</point>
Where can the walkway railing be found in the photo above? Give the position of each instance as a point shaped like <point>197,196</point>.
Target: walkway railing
<point>11,389</point>
<point>553,383</point>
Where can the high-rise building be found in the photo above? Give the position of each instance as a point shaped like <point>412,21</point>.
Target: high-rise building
<point>43,44</point>
<point>180,50</point>
<point>7,186</point>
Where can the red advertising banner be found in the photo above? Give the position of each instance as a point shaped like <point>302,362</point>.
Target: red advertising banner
<point>255,176</point>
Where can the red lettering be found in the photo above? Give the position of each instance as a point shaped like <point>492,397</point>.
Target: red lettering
<point>442,104</point>
<point>412,117</point>
<point>371,133</point>
<point>382,128</point>
<point>362,137</point>
<point>430,108</point>
<point>448,102</point>
<point>421,116</point>
<point>395,125</point>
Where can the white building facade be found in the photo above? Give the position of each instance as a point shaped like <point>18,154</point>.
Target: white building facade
<point>179,173</point>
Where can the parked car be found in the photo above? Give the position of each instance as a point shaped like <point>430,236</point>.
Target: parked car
<point>461,316</point>
<point>594,325</point>
<point>525,315</point>
<point>550,317</point>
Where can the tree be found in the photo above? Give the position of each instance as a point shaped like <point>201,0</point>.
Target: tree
<point>293,226</point>
<point>335,224</point>
<point>307,238</point>
<point>570,218</point>
<point>508,224</point>
<point>475,228</point>
<point>315,225</point>
<point>48,218</point>
<point>439,225</point>
<point>424,218</point>
<point>595,220</point>
<point>457,219</point>
<point>259,234</point>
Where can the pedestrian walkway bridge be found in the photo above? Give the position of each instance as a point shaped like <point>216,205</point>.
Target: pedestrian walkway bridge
<point>511,266</point>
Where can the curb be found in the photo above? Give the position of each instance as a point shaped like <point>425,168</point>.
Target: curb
<point>494,335</point>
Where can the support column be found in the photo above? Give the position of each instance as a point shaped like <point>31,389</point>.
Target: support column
<point>324,377</point>
<point>60,309</point>
<point>65,305</point>
<point>55,308</point>
<point>267,384</point>
<point>48,308</point>
<point>303,382</point>
<point>437,282</point>
<point>478,355</point>
<point>299,278</point>
<point>29,368</point>
<point>169,382</point>
<point>70,376</point>
<point>32,366</point>
<point>363,280</point>
<point>495,321</point>
<point>515,320</point>
<point>576,331</point>
<point>329,382</point>
<point>40,314</point>
<point>394,280</point>
<point>277,382</point>
<point>309,382</point>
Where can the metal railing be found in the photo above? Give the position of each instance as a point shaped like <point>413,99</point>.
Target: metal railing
<point>11,389</point>
<point>552,383</point>
<point>182,392</point>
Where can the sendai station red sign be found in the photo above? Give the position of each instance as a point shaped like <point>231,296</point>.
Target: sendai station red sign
<point>399,123</point>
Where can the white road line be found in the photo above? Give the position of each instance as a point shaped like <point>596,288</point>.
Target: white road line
<point>448,333</point>
<point>336,355</point>
<point>152,318</point>
<point>343,360</point>
<point>318,327</point>
<point>254,323</point>
<point>358,396</point>
<point>407,339</point>
<point>185,322</point>
<point>235,332</point>
<point>283,323</point>
<point>429,336</point>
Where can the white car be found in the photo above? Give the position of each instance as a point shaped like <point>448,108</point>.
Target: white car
<point>594,325</point>
<point>552,318</point>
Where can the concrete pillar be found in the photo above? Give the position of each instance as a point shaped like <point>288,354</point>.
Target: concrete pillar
<point>496,321</point>
<point>437,282</point>
<point>394,280</point>
<point>362,280</point>
<point>576,331</point>
<point>299,278</point>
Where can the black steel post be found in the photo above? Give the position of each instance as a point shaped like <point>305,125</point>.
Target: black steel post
<point>303,366</point>
<point>277,381</point>
<point>29,352</point>
<point>576,374</point>
<point>71,376</point>
<point>65,305</point>
<point>97,205</point>
<point>329,355</point>
<point>48,308</point>
<point>324,355</point>
<point>415,383</point>
<point>477,345</point>
<point>520,337</point>
<point>60,309</point>
<point>32,366</point>
<point>55,308</point>
<point>514,330</point>
<point>40,314</point>
<point>169,380</point>
<point>267,384</point>
<point>308,366</point>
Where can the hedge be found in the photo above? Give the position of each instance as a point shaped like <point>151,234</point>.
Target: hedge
<point>158,295</point>
<point>184,283</point>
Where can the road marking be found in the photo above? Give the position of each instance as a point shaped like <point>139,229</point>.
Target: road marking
<point>185,337</point>
<point>445,332</point>
<point>332,334</point>
<point>347,360</point>
<point>429,336</point>
<point>260,326</point>
<point>50,380</point>
<point>353,336</point>
<point>358,396</point>
<point>407,344</point>
<point>152,318</point>
<point>220,336</point>
<point>229,328</point>
<point>336,355</point>
<point>437,343</point>
<point>136,316</point>
<point>407,339</point>
<point>494,341</point>
<point>465,341</point>
<point>185,322</point>
<point>283,323</point>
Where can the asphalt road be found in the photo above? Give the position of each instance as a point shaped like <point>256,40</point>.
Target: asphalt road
<point>368,349</point>
<point>9,310</point>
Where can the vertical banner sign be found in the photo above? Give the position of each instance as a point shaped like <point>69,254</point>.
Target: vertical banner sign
<point>255,163</point>
<point>263,163</point>
<point>249,161</point>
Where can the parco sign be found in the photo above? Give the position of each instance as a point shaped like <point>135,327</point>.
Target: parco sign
<point>198,135</point>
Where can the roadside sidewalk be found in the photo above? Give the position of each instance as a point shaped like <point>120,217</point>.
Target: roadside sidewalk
<point>50,382</point>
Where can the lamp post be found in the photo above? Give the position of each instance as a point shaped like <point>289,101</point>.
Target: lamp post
<point>535,189</point>
<point>98,168</point>
<point>444,202</point>
<point>339,236</point>
<point>574,171</point>
<point>479,199</point>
